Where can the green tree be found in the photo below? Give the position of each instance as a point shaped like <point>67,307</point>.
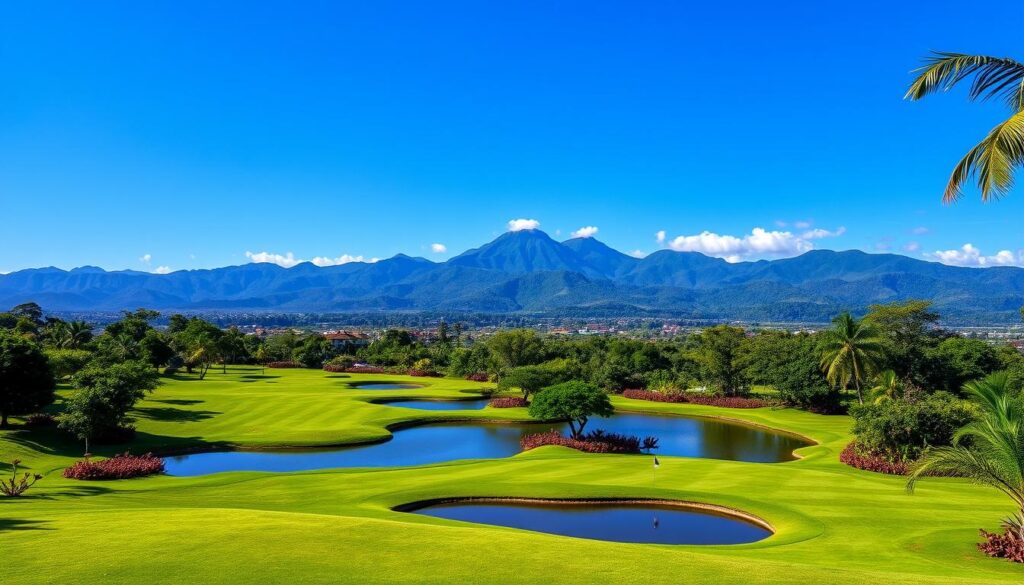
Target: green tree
<point>994,160</point>
<point>850,352</point>
<point>720,353</point>
<point>198,344</point>
<point>987,451</point>
<point>26,381</point>
<point>573,401</point>
<point>314,351</point>
<point>103,396</point>
<point>909,330</point>
<point>68,334</point>
<point>887,386</point>
<point>65,362</point>
<point>528,379</point>
<point>789,363</point>
<point>516,347</point>
<point>958,360</point>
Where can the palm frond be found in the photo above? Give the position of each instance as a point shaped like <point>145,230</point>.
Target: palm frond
<point>992,162</point>
<point>994,77</point>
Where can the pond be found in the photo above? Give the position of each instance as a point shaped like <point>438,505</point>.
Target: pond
<point>639,522</point>
<point>474,404</point>
<point>440,442</point>
<point>384,386</point>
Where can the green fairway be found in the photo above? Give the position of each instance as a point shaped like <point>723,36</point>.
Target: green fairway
<point>833,524</point>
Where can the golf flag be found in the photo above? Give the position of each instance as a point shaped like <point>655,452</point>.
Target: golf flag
<point>657,464</point>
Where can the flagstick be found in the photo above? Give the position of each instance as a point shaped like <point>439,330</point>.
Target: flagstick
<point>654,484</point>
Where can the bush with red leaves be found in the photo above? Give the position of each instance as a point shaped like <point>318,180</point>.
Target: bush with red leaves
<point>478,377</point>
<point>595,442</point>
<point>334,368</point>
<point>508,402</point>
<point>364,370</point>
<point>284,365</point>
<point>694,398</point>
<point>40,419</point>
<point>856,456</point>
<point>1009,545</point>
<point>117,467</point>
<point>423,374</point>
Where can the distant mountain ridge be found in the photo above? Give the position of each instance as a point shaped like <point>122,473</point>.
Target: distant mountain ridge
<point>529,272</point>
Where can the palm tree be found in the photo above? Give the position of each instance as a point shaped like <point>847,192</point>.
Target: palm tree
<point>887,387</point>
<point>850,352</point>
<point>988,451</point>
<point>993,160</point>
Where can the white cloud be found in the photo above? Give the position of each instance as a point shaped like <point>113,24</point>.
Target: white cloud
<point>438,248</point>
<point>660,236</point>
<point>145,258</point>
<point>287,260</point>
<point>343,259</point>
<point>162,270</point>
<point>758,243</point>
<point>781,223</point>
<point>585,232</point>
<point>818,233</point>
<point>912,247</point>
<point>968,255</point>
<point>919,231</point>
<point>638,254</point>
<point>802,225</point>
<point>518,225</point>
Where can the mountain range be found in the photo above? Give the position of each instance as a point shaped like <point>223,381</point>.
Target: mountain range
<point>529,272</point>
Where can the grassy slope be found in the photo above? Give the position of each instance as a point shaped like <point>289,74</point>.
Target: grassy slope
<point>834,524</point>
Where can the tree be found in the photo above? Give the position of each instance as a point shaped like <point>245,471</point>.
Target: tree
<point>69,334</point>
<point>789,363</point>
<point>850,352</point>
<point>314,351</point>
<point>958,360</point>
<point>198,344</point>
<point>887,387</point>
<point>26,381</point>
<point>102,398</point>
<point>909,330</point>
<point>516,347</point>
<point>528,379</point>
<point>720,354</point>
<point>573,401</point>
<point>988,451</point>
<point>995,159</point>
<point>65,362</point>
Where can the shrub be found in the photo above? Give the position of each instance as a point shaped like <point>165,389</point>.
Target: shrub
<point>902,429</point>
<point>694,398</point>
<point>16,486</point>
<point>123,466</point>
<point>423,373</point>
<point>1009,545</point>
<point>341,361</point>
<point>285,364</point>
<point>40,419</point>
<point>595,442</point>
<point>508,402</point>
<point>478,377</point>
<point>365,370</point>
<point>334,368</point>
<point>857,456</point>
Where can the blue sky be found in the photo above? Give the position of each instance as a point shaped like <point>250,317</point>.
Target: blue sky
<point>184,136</point>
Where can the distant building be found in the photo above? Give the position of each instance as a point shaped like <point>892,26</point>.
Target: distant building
<point>347,341</point>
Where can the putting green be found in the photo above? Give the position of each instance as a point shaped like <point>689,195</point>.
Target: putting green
<point>833,524</point>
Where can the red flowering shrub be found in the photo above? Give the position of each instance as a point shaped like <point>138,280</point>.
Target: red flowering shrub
<point>423,374</point>
<point>695,398</point>
<point>285,365</point>
<point>40,419</point>
<point>855,456</point>
<point>595,442</point>
<point>508,402</point>
<point>334,368</point>
<point>117,467</point>
<point>1009,545</point>
<point>479,377</point>
<point>364,370</point>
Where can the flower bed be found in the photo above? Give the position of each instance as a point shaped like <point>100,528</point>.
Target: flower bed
<point>1009,545</point>
<point>284,365</point>
<point>424,373</point>
<point>335,369</point>
<point>117,467</point>
<point>854,456</point>
<point>364,370</point>
<point>595,442</point>
<point>478,377</point>
<point>508,402</point>
<point>694,398</point>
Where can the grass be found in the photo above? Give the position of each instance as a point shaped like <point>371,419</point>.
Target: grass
<point>834,524</point>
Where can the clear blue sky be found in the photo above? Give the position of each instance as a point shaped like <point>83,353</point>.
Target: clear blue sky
<point>194,134</point>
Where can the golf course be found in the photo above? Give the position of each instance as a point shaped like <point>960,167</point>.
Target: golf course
<point>830,523</point>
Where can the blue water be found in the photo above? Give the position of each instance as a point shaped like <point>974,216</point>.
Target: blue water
<point>642,523</point>
<point>385,386</point>
<point>440,442</point>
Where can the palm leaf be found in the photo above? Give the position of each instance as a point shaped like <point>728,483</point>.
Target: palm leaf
<point>994,77</point>
<point>993,161</point>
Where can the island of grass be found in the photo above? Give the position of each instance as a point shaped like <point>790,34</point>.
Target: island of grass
<point>832,523</point>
